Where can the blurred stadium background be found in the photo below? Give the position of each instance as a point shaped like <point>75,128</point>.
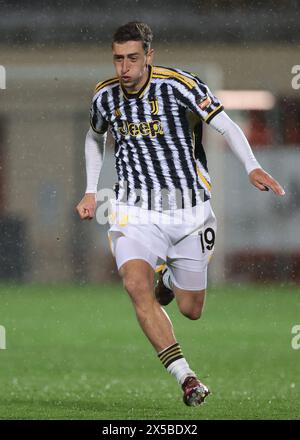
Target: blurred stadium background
<point>55,52</point>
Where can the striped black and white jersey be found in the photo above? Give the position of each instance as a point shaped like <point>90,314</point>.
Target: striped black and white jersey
<point>160,159</point>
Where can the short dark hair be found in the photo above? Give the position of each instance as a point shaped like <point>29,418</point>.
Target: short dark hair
<point>134,31</point>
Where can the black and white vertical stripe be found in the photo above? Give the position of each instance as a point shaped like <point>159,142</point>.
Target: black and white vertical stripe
<point>149,167</point>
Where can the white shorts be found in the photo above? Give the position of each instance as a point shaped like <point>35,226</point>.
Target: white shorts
<point>183,239</point>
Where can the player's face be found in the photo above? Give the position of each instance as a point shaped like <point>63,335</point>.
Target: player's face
<point>131,62</point>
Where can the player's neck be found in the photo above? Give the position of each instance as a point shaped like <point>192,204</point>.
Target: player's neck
<point>137,87</point>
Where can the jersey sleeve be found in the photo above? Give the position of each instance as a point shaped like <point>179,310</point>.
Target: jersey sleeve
<point>97,121</point>
<point>200,100</point>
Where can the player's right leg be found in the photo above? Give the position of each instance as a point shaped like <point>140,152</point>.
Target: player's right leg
<point>190,298</point>
<point>138,279</point>
<point>136,266</point>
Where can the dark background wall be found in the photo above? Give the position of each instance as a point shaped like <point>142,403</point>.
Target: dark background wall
<point>91,21</point>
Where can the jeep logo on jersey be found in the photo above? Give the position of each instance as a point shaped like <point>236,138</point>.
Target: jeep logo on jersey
<point>149,128</point>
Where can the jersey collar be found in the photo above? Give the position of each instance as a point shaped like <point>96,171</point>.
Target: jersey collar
<point>141,92</point>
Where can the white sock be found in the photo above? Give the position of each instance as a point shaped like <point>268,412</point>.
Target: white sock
<point>180,369</point>
<point>173,360</point>
<point>166,279</point>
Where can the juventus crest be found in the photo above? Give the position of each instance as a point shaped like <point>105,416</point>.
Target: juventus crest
<point>154,106</point>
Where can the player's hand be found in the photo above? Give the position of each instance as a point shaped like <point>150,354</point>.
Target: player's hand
<point>263,181</point>
<point>87,206</point>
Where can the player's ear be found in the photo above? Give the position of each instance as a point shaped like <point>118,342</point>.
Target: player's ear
<point>150,56</point>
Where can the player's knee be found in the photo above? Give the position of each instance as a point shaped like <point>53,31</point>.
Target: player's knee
<point>136,287</point>
<point>192,314</point>
<point>192,309</point>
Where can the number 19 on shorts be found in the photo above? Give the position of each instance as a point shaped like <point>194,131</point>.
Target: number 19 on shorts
<point>207,239</point>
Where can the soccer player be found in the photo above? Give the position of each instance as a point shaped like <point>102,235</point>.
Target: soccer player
<point>155,115</point>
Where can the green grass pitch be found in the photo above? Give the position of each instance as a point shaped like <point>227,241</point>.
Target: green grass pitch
<point>78,353</point>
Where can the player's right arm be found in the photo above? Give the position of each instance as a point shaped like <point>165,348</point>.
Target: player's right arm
<point>94,156</point>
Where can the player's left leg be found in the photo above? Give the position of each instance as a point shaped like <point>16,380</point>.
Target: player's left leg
<point>190,299</point>
<point>163,294</point>
<point>190,303</point>
<point>185,273</point>
<point>189,288</point>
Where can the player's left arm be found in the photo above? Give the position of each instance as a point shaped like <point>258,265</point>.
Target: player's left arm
<point>201,101</point>
<point>241,148</point>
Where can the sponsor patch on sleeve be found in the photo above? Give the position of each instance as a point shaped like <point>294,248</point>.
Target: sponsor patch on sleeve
<point>204,102</point>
